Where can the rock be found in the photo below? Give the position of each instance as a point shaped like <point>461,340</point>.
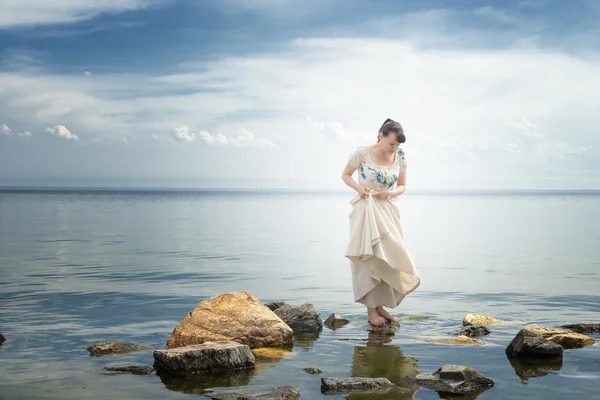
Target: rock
<point>457,379</point>
<point>527,344</point>
<point>313,371</point>
<point>2,338</point>
<point>564,337</point>
<point>475,319</point>
<point>279,393</point>
<point>389,328</point>
<point>302,319</point>
<point>275,305</point>
<point>458,340</point>
<point>209,356</point>
<point>336,321</point>
<point>475,330</point>
<point>270,354</point>
<point>105,348</point>
<point>131,369</point>
<point>332,385</point>
<point>583,328</point>
<point>235,316</point>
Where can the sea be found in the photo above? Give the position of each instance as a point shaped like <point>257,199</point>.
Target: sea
<point>84,266</point>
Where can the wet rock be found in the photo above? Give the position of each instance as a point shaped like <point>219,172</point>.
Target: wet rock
<point>457,379</point>
<point>234,316</point>
<point>564,337</point>
<point>275,305</point>
<point>313,371</point>
<point>583,328</point>
<point>475,319</point>
<point>527,344</point>
<point>332,385</point>
<point>209,356</point>
<point>302,319</point>
<point>2,338</point>
<point>270,354</point>
<point>459,340</point>
<point>388,328</point>
<point>475,330</point>
<point>278,393</point>
<point>131,369</point>
<point>336,321</point>
<point>105,348</point>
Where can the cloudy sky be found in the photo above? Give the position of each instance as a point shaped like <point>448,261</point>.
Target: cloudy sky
<point>277,93</point>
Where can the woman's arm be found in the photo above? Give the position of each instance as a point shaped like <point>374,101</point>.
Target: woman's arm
<point>349,181</point>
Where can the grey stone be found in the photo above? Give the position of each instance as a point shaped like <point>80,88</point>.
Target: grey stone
<point>313,371</point>
<point>208,356</point>
<point>336,321</point>
<point>528,344</point>
<point>105,348</point>
<point>457,379</point>
<point>275,305</point>
<point>2,338</point>
<point>389,328</point>
<point>131,369</point>
<point>475,330</point>
<point>332,385</point>
<point>302,319</point>
<point>278,393</point>
<point>583,328</point>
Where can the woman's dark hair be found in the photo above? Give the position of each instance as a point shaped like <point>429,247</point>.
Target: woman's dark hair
<point>392,126</point>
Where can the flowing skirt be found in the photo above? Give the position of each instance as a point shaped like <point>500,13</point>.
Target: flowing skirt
<point>383,271</point>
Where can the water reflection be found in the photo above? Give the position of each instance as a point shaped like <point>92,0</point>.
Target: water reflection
<point>200,383</point>
<point>532,368</point>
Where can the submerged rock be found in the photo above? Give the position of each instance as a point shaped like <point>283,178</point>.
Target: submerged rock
<point>527,344</point>
<point>235,316</point>
<point>475,319</point>
<point>209,356</point>
<point>131,369</point>
<point>583,328</point>
<point>461,340</point>
<point>313,371</point>
<point>332,385</point>
<point>302,319</point>
<point>458,379</point>
<point>336,321</point>
<point>475,330</point>
<point>564,337</point>
<point>278,393</point>
<point>2,338</point>
<point>105,348</point>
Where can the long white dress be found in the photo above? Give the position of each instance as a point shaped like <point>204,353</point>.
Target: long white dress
<point>383,271</point>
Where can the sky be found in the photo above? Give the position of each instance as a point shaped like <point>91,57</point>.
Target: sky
<point>277,93</point>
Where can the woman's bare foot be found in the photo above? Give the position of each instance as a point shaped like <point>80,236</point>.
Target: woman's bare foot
<point>374,318</point>
<point>385,314</point>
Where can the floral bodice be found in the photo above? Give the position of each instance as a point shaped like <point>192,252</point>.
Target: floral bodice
<point>377,176</point>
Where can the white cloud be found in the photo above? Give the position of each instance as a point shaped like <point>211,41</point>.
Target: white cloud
<point>183,134</point>
<point>244,138</point>
<point>25,134</point>
<point>17,13</point>
<point>61,132</point>
<point>5,130</point>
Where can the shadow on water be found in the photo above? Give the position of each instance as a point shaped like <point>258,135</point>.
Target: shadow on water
<point>532,368</point>
<point>201,383</point>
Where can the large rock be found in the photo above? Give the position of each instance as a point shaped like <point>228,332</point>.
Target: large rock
<point>564,337</point>
<point>475,319</point>
<point>458,379</point>
<point>302,319</point>
<point>583,328</point>
<point>332,385</point>
<point>527,344</point>
<point>252,393</point>
<point>235,316</point>
<point>474,330</point>
<point>335,321</point>
<point>105,348</point>
<point>207,357</point>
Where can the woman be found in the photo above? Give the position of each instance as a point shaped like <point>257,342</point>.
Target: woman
<point>383,272</point>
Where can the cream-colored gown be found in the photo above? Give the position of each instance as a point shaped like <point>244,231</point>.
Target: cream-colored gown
<point>383,271</point>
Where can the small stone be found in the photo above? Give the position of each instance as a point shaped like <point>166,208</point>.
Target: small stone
<point>462,340</point>
<point>105,348</point>
<point>528,344</point>
<point>302,319</point>
<point>253,393</point>
<point>131,369</point>
<point>389,328</point>
<point>332,385</point>
<point>564,337</point>
<point>2,338</point>
<point>457,379</point>
<point>336,321</point>
<point>583,328</point>
<point>475,330</point>
<point>313,371</point>
<point>209,356</point>
<point>275,305</point>
<point>475,319</point>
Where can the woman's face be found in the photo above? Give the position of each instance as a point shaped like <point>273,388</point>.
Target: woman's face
<point>389,141</point>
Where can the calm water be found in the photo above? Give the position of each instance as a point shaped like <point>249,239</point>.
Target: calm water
<point>78,268</point>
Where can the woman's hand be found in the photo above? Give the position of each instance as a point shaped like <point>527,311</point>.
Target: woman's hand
<point>363,191</point>
<point>381,194</point>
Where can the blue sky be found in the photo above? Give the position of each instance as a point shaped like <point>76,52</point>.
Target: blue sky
<point>277,93</point>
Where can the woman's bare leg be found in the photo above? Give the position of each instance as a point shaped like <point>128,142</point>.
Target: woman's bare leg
<point>374,318</point>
